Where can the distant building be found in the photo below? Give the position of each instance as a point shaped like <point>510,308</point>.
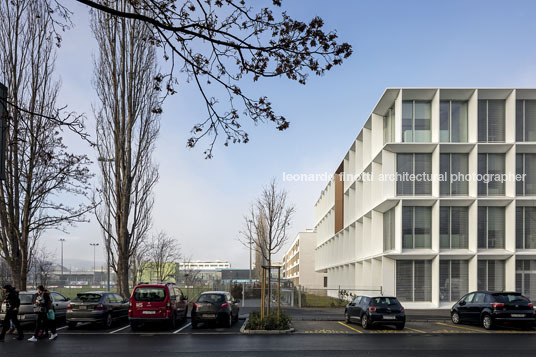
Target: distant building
<point>299,262</point>
<point>205,265</point>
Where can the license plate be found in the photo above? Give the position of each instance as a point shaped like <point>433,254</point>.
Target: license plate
<point>148,312</point>
<point>22,317</point>
<point>518,315</point>
<point>82,307</point>
<point>209,316</point>
<point>389,317</point>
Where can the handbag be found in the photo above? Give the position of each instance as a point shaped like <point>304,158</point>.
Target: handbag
<point>51,315</point>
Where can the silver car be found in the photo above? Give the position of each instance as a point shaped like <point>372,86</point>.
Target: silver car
<point>26,309</point>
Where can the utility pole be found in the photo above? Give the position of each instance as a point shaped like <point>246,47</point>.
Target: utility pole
<point>94,245</point>
<point>62,240</point>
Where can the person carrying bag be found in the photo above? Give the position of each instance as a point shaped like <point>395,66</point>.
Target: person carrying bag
<point>46,318</point>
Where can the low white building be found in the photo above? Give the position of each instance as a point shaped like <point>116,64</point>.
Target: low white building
<point>205,265</point>
<point>431,241</point>
<point>299,262</point>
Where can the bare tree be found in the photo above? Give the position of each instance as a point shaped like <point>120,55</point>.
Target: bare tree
<point>42,266</point>
<point>214,44</point>
<point>163,256</point>
<point>127,128</point>
<point>41,173</point>
<point>267,223</point>
<point>192,277</point>
<point>139,262</point>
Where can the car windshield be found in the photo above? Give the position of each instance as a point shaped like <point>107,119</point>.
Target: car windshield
<point>211,298</point>
<point>150,294</point>
<point>384,301</point>
<point>505,298</point>
<point>26,298</point>
<point>87,297</point>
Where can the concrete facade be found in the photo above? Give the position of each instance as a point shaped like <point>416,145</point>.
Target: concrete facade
<point>431,242</point>
<point>299,262</point>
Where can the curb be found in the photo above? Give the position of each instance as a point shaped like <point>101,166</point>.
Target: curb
<point>264,332</point>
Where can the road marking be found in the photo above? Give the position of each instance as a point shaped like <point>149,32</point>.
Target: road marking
<point>61,328</point>
<point>463,328</point>
<point>182,328</point>
<point>351,328</point>
<point>122,328</point>
<point>414,329</point>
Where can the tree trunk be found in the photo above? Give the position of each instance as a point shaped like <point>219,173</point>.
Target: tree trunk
<point>269,282</point>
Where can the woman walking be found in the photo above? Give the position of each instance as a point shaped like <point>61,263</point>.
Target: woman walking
<point>45,314</point>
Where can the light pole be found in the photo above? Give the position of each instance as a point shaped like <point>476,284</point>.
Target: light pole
<point>94,245</point>
<point>107,238</point>
<point>62,240</point>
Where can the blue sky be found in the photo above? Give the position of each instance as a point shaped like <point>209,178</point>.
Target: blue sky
<point>396,43</point>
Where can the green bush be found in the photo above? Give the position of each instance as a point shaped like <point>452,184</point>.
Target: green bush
<point>271,321</point>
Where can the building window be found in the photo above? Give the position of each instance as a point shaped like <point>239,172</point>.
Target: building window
<point>414,280</point>
<point>490,165</point>
<point>414,173</point>
<point>453,279</point>
<point>416,227</point>
<point>491,115</point>
<point>325,281</point>
<point>526,165</point>
<point>526,278</point>
<point>491,275</point>
<point>389,126</point>
<point>454,169</point>
<point>490,227</point>
<point>389,230</point>
<point>453,121</point>
<point>526,120</point>
<point>454,227</point>
<point>526,228</point>
<point>416,119</point>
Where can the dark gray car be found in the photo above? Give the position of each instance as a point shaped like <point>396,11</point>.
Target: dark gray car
<point>215,306</point>
<point>97,307</point>
<point>26,309</point>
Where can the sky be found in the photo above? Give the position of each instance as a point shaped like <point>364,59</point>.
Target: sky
<point>201,202</point>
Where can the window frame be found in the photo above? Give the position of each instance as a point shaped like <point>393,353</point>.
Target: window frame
<point>413,102</point>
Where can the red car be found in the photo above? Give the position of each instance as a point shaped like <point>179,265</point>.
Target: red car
<point>157,303</point>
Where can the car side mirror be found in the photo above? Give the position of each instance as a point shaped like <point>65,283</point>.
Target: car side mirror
<point>352,304</point>
<point>462,303</point>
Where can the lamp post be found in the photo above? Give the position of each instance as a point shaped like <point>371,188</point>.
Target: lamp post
<point>61,241</point>
<point>94,245</point>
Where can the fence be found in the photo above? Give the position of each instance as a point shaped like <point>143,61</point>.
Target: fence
<point>330,297</point>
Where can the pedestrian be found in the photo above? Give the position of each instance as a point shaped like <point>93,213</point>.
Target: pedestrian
<point>12,301</point>
<point>45,314</point>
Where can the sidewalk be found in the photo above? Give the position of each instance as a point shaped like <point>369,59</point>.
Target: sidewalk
<point>337,314</point>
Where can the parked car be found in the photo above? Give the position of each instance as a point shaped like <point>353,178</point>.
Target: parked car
<point>157,303</point>
<point>100,307</point>
<point>376,310</point>
<point>215,306</point>
<point>26,309</point>
<point>491,308</point>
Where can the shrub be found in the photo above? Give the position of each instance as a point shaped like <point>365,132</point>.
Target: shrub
<point>270,322</point>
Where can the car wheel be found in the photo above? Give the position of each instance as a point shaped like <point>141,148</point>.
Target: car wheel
<point>134,326</point>
<point>172,322</point>
<point>455,317</point>
<point>194,325</point>
<point>400,326</point>
<point>364,321</point>
<point>230,320</point>
<point>72,325</point>
<point>109,321</point>
<point>487,322</point>
<point>346,317</point>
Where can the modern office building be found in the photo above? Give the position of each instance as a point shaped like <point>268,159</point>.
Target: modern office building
<point>299,262</point>
<point>438,197</point>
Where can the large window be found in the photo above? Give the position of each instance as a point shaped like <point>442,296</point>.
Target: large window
<point>453,121</point>
<point>525,228</point>
<point>389,230</point>
<point>526,278</point>
<point>453,279</point>
<point>491,117</point>
<point>526,120</point>
<point>490,227</point>
<point>489,166</point>
<point>491,275</point>
<point>416,227</point>
<point>389,126</point>
<point>453,169</point>
<point>416,121</point>
<point>414,174</point>
<point>414,280</point>
<point>526,165</point>
<point>454,228</point>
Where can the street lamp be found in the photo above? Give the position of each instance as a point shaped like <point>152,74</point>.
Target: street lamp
<point>94,245</point>
<point>62,240</point>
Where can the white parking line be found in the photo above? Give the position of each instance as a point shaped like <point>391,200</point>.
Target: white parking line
<point>122,328</point>
<point>182,328</point>
<point>61,328</point>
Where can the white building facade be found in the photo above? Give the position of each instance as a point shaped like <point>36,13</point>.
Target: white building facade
<point>438,197</point>
<point>299,262</point>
